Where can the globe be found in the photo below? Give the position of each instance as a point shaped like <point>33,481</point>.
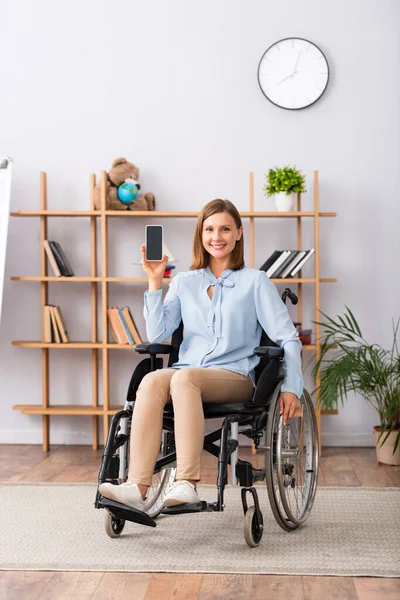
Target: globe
<point>127,193</point>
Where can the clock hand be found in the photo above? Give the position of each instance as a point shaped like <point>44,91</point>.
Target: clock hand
<point>297,62</point>
<point>288,77</point>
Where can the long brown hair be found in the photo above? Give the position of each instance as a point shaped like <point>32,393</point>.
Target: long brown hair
<point>201,258</point>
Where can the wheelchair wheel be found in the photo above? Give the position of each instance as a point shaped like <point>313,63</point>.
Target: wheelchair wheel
<point>158,490</point>
<point>291,462</point>
<point>112,525</point>
<point>253,527</point>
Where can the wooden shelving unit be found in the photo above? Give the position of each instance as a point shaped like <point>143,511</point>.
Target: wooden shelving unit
<point>103,346</point>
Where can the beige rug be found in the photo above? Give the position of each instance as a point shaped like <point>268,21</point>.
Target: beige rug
<point>351,531</point>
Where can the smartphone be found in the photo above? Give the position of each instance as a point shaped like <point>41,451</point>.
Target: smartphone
<point>154,243</point>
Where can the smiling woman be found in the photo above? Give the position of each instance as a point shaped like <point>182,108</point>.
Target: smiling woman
<point>218,238</point>
<point>223,306</point>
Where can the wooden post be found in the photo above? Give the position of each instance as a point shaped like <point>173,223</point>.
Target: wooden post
<point>299,247</point>
<point>104,305</point>
<point>317,300</point>
<point>43,302</point>
<point>93,285</point>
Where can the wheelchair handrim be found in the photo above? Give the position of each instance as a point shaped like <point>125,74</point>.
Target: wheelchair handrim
<point>158,492</point>
<point>310,454</point>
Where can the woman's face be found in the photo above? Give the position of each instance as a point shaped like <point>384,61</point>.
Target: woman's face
<point>220,234</point>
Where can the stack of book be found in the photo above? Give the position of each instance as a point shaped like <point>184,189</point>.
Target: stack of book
<point>283,264</point>
<point>54,327</point>
<point>57,259</point>
<point>123,326</point>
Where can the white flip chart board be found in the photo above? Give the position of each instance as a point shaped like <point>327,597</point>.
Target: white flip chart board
<point>5,196</point>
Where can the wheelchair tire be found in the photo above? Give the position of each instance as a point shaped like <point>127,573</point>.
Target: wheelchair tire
<point>291,462</point>
<point>113,526</point>
<point>253,527</point>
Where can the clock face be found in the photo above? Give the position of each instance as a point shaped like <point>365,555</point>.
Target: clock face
<point>293,73</point>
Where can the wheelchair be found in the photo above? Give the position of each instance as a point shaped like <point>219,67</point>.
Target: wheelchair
<point>291,451</point>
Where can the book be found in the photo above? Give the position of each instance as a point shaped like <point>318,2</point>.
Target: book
<point>112,326</point>
<point>125,326</point>
<point>60,324</point>
<point>302,262</point>
<point>270,261</point>
<point>277,263</point>
<point>61,259</point>
<point>54,325</point>
<point>47,325</point>
<point>286,262</point>
<point>293,263</point>
<point>51,258</point>
<point>117,328</point>
<point>131,325</point>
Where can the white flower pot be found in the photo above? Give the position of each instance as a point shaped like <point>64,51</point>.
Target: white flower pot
<point>384,454</point>
<point>284,202</point>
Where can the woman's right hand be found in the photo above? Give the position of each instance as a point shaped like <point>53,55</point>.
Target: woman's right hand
<point>154,270</point>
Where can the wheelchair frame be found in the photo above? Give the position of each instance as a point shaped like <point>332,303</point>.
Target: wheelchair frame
<point>250,419</point>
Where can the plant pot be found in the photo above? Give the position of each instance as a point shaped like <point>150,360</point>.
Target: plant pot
<point>384,454</point>
<point>284,202</point>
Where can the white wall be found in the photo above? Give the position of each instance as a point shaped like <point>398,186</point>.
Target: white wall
<point>173,87</point>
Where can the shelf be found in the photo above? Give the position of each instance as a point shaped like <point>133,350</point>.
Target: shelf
<point>72,345</point>
<point>86,279</point>
<point>157,213</point>
<point>145,280</point>
<point>90,411</point>
<point>98,223</point>
<point>67,346</point>
<point>94,345</point>
<point>69,409</point>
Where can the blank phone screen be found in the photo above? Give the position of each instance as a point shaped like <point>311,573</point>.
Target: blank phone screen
<point>154,245</point>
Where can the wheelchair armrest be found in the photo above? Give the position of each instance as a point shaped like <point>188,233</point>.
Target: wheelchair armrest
<point>154,348</point>
<point>271,351</point>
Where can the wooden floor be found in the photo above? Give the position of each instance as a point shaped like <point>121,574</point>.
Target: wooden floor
<point>339,467</point>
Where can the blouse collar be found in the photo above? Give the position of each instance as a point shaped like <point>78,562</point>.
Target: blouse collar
<point>214,317</point>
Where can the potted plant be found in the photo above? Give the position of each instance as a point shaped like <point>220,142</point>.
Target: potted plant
<point>284,184</point>
<point>367,369</point>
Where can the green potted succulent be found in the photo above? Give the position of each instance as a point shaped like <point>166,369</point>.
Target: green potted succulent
<point>283,184</point>
<point>367,369</point>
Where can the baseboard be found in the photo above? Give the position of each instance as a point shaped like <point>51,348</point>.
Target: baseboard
<point>67,438</point>
<point>59,438</point>
<point>336,439</point>
<point>348,439</point>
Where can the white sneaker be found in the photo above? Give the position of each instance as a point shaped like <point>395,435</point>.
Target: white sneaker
<point>126,493</point>
<point>181,492</point>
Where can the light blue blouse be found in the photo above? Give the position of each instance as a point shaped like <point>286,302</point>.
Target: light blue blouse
<point>222,332</point>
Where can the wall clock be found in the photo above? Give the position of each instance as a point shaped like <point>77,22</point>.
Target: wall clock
<point>293,73</point>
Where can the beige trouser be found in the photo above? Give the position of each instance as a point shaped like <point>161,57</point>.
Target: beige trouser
<point>187,387</point>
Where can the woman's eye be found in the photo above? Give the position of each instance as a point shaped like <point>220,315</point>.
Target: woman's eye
<point>210,229</point>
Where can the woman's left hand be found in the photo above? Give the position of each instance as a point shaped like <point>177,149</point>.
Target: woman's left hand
<point>288,404</point>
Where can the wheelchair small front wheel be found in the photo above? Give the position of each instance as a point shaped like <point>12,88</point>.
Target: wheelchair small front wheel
<point>113,526</point>
<point>253,527</point>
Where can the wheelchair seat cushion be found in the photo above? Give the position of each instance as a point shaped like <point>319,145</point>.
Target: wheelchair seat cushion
<point>213,411</point>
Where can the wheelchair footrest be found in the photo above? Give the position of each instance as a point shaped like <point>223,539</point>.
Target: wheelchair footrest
<point>126,513</point>
<point>194,507</point>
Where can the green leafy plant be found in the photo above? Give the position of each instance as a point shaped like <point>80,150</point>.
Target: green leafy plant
<point>358,366</point>
<point>288,179</point>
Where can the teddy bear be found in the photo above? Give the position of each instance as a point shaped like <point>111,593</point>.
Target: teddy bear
<point>122,170</point>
